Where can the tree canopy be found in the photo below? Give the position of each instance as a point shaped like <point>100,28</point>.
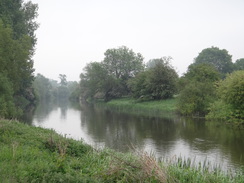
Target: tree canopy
<point>239,64</point>
<point>197,89</point>
<point>220,59</point>
<point>158,81</point>
<point>109,78</point>
<point>123,63</point>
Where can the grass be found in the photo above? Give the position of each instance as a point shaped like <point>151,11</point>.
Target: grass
<point>148,108</point>
<point>33,154</point>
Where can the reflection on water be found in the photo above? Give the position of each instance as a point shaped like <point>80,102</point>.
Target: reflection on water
<point>166,138</point>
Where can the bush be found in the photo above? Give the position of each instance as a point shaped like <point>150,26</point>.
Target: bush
<point>230,105</point>
<point>197,89</point>
<point>195,99</point>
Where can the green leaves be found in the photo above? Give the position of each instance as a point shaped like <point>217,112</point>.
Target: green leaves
<point>198,89</point>
<point>157,82</point>
<point>109,78</point>
<point>220,59</point>
<point>7,108</point>
<point>123,63</point>
<point>17,41</point>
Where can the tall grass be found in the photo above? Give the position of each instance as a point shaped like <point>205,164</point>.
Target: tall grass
<point>31,154</point>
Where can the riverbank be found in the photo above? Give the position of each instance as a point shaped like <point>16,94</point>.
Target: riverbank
<point>143,108</point>
<point>32,154</point>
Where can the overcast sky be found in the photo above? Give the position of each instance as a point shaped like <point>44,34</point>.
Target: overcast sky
<point>74,33</point>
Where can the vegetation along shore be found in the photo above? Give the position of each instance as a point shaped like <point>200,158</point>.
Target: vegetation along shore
<point>33,154</point>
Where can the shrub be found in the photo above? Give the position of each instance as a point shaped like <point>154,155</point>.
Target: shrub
<point>197,89</point>
<point>230,104</point>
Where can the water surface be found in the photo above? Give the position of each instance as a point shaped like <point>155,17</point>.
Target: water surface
<point>167,138</point>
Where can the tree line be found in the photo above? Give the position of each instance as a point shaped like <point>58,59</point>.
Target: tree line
<point>17,47</point>
<point>49,90</point>
<point>212,86</point>
<point>123,73</point>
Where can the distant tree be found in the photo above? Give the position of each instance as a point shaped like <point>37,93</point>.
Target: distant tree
<point>138,86</point>
<point>63,79</point>
<point>108,79</point>
<point>157,82</point>
<point>239,64</point>
<point>220,59</point>
<point>198,89</point>
<point>74,90</point>
<point>122,64</point>
<point>202,73</point>
<point>96,82</point>
<point>43,87</point>
<point>155,62</point>
<point>91,79</point>
<point>63,91</point>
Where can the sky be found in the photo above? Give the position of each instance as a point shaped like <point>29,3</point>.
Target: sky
<point>74,33</point>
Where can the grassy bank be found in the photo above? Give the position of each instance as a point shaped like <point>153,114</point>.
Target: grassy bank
<point>31,154</point>
<point>148,108</point>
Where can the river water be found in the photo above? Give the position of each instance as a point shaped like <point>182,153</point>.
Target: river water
<point>165,137</point>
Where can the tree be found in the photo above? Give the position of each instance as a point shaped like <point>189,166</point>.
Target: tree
<point>20,17</point>
<point>198,91</point>
<point>122,64</point>
<point>63,91</point>
<point>239,64</point>
<point>17,43</point>
<point>231,91</point>
<point>74,90</point>
<point>63,79</point>
<point>220,59</point>
<point>43,88</point>
<point>7,107</point>
<point>108,79</point>
<point>229,105</point>
<point>96,82</point>
<point>16,66</point>
<point>157,82</point>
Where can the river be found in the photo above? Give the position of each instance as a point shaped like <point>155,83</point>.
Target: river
<point>164,137</point>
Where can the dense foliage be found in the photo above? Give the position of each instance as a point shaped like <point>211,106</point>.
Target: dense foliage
<point>220,59</point>
<point>122,73</point>
<point>158,81</point>
<point>109,79</point>
<point>7,108</point>
<point>239,64</point>
<point>230,103</point>
<point>203,92</point>
<point>17,43</point>
<point>197,89</point>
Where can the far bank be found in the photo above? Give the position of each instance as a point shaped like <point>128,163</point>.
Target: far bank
<point>140,107</point>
